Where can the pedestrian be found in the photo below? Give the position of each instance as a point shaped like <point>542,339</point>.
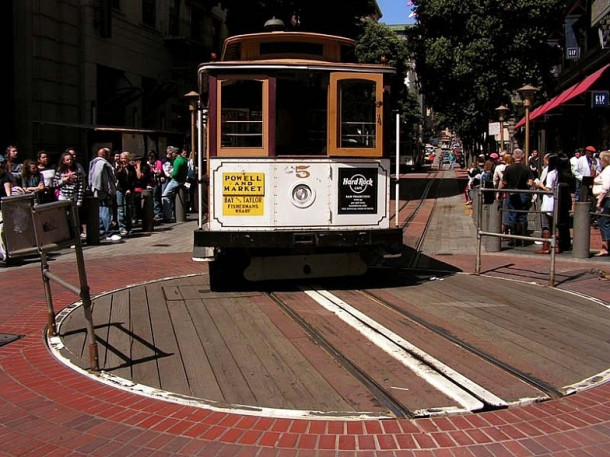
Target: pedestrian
<point>451,160</point>
<point>144,181</point>
<point>157,174</point>
<point>178,175</point>
<point>584,172</point>
<point>565,178</point>
<point>82,211</point>
<point>44,167</point>
<point>68,181</point>
<point>126,178</point>
<point>507,160</point>
<point>13,165</point>
<point>601,192</point>
<point>487,180</point>
<point>5,191</point>
<point>102,182</point>
<point>31,180</point>
<point>474,180</point>
<point>518,176</point>
<point>534,163</point>
<point>191,178</point>
<point>499,169</point>
<point>548,182</point>
<point>166,163</point>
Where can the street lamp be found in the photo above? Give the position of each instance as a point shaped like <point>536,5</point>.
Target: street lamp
<point>527,92</point>
<point>502,110</point>
<point>193,99</point>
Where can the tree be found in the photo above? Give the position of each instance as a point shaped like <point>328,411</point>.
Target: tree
<point>378,43</point>
<point>337,17</point>
<point>471,56</point>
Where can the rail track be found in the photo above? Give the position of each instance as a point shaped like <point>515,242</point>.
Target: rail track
<point>417,376</point>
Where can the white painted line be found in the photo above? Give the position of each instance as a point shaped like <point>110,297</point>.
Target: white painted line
<point>588,383</point>
<point>401,349</point>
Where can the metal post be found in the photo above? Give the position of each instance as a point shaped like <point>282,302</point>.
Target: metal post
<point>93,220</point>
<point>84,292</point>
<point>501,135</point>
<point>582,230</point>
<point>494,225</point>
<point>527,132</point>
<point>147,210</point>
<point>44,266</point>
<point>479,204</point>
<point>201,122</point>
<point>180,204</point>
<point>397,167</point>
<point>554,235</point>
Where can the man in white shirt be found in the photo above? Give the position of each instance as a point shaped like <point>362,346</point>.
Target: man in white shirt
<point>584,167</point>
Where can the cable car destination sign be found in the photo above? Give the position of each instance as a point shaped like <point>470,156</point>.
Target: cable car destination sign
<point>243,194</point>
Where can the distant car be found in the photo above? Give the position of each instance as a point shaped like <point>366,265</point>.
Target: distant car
<point>429,157</point>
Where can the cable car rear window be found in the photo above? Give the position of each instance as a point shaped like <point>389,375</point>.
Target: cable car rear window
<point>311,49</point>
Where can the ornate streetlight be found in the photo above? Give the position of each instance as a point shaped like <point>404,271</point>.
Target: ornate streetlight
<point>502,110</point>
<point>193,99</point>
<point>526,93</point>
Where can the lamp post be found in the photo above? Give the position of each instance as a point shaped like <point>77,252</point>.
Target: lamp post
<point>193,99</point>
<point>502,110</point>
<point>527,92</point>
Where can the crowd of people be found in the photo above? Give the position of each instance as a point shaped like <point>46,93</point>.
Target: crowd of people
<point>585,177</point>
<point>115,179</point>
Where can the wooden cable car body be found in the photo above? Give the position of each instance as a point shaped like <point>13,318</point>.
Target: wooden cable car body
<point>299,181</point>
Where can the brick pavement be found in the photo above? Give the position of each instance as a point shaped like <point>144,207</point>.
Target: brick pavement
<point>50,410</point>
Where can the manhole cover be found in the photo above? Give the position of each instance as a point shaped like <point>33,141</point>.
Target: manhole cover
<point>6,338</point>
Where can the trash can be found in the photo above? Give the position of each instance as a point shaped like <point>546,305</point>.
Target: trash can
<point>180,204</point>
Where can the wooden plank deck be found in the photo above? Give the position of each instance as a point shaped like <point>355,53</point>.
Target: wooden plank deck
<point>227,348</point>
<point>240,348</point>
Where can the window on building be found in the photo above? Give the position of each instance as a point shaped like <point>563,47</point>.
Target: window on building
<point>149,12</point>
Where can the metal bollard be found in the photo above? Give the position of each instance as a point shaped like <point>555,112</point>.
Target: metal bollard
<point>180,204</point>
<point>93,220</point>
<point>475,205</point>
<point>494,225</point>
<point>581,241</point>
<point>147,210</point>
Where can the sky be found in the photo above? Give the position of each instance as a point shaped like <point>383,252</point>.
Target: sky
<point>395,12</point>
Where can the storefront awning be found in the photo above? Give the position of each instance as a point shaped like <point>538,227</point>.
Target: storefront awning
<point>567,95</point>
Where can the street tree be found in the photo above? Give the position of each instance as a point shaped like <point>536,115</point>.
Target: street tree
<point>378,43</point>
<point>472,56</point>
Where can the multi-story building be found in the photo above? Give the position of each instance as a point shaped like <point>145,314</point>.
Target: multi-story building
<point>114,72</point>
<point>579,113</point>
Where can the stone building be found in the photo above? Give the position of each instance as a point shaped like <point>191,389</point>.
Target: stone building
<point>114,72</point>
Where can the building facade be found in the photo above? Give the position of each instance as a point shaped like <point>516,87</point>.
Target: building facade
<point>578,113</point>
<point>113,72</point>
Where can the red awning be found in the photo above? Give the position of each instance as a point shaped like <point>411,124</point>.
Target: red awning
<point>566,95</point>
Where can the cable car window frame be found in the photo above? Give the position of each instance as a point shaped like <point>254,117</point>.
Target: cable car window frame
<point>334,115</point>
<point>245,151</point>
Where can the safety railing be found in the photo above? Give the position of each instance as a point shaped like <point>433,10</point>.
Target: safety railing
<point>40,229</point>
<point>495,217</point>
